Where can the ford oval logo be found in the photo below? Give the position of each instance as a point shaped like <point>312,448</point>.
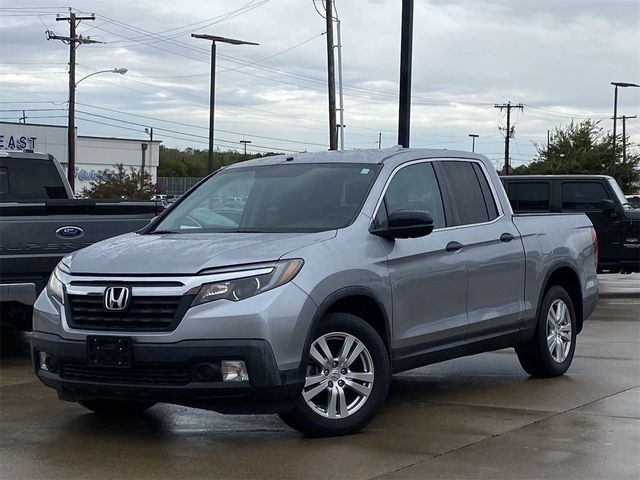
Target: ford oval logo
<point>69,232</point>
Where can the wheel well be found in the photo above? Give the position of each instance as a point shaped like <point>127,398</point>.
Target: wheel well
<point>566,278</point>
<point>368,310</point>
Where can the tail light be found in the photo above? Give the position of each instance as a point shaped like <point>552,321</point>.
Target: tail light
<point>594,244</point>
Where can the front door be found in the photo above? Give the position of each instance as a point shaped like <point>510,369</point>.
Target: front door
<point>429,283</point>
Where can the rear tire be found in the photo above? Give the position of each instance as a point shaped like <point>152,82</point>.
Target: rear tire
<point>116,408</point>
<point>346,382</point>
<point>550,352</point>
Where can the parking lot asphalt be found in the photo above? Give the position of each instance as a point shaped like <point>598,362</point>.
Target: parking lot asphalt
<point>474,417</point>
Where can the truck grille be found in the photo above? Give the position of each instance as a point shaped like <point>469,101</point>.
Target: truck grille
<point>136,375</point>
<point>148,313</point>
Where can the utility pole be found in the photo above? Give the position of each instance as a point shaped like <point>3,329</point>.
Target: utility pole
<point>144,151</point>
<point>624,119</point>
<point>615,112</point>
<point>340,95</point>
<point>245,145</point>
<point>379,140</point>
<point>406,46</point>
<point>507,136</point>
<point>473,141</point>
<point>548,141</point>
<point>331,81</point>
<point>73,41</point>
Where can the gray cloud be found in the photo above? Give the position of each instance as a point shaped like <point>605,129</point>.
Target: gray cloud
<point>555,57</point>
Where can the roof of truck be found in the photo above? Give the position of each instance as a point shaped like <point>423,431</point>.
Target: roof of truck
<point>368,156</point>
<point>551,177</point>
<point>23,154</point>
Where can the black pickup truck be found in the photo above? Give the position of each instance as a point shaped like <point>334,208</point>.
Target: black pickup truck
<point>616,221</point>
<point>41,221</point>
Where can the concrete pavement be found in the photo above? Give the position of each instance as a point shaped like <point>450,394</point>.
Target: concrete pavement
<point>475,417</point>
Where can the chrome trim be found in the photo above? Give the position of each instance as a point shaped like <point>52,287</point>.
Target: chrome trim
<point>187,283</point>
<point>430,160</point>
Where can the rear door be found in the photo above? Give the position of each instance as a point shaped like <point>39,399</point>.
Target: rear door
<point>492,249</point>
<point>586,196</point>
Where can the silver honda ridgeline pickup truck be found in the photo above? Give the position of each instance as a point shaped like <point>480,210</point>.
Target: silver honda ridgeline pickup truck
<point>299,284</point>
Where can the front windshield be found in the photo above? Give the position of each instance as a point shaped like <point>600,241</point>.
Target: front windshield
<point>618,192</point>
<point>274,198</point>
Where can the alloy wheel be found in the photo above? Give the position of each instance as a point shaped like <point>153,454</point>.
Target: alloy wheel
<point>339,377</point>
<point>559,331</point>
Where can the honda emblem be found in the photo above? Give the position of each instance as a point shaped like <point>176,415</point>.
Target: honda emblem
<point>116,299</point>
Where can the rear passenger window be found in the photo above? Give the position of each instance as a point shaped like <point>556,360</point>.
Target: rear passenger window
<point>415,188</point>
<point>583,196</point>
<point>529,196</point>
<point>489,201</point>
<point>467,198</point>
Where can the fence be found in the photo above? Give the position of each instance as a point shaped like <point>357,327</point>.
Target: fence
<point>176,185</point>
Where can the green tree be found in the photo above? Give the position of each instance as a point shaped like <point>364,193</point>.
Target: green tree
<point>174,163</point>
<point>120,183</point>
<point>583,149</point>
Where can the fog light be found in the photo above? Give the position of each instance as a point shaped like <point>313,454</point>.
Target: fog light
<point>233,371</point>
<point>48,363</point>
<point>43,361</point>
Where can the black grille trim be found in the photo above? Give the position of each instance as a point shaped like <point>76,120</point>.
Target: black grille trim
<point>145,313</point>
<point>137,375</point>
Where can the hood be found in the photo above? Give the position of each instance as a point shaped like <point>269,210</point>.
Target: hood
<point>186,254</point>
<point>632,214</point>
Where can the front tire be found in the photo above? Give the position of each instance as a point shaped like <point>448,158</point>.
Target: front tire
<point>347,381</point>
<point>116,408</point>
<point>550,352</point>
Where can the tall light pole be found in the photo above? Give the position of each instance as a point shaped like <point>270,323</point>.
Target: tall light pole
<point>406,47</point>
<point>615,111</point>
<point>212,89</point>
<point>473,141</point>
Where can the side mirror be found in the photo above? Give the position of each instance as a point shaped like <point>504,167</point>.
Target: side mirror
<point>406,224</point>
<point>608,206</point>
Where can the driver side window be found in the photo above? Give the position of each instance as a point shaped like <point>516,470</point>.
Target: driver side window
<point>415,188</point>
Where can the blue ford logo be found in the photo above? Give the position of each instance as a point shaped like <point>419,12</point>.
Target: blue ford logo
<point>69,232</point>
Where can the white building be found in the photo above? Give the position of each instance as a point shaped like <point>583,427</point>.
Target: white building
<point>94,155</point>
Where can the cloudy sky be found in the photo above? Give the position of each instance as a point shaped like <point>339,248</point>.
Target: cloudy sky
<point>555,57</point>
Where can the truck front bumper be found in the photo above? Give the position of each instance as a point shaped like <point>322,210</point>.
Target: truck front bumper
<point>161,372</point>
<point>24,293</point>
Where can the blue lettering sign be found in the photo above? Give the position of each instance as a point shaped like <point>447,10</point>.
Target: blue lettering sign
<point>17,143</point>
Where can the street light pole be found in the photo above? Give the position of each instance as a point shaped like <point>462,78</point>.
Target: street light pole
<point>473,141</point>
<point>406,46</point>
<point>615,112</point>
<point>212,87</point>
<point>121,71</point>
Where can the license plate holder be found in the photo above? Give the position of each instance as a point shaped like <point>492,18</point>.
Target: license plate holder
<point>109,351</point>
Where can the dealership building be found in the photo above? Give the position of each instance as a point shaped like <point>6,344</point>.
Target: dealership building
<point>94,155</point>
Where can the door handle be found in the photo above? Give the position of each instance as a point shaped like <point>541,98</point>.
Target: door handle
<point>453,246</point>
<point>506,237</point>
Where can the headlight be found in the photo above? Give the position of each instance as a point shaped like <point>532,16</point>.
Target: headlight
<point>55,288</point>
<point>65,264</point>
<point>241,288</point>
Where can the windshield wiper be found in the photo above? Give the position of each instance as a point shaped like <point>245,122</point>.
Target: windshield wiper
<point>162,232</point>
